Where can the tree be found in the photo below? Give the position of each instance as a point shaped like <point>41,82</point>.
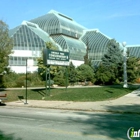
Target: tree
<point>86,59</point>
<point>42,67</point>
<point>112,63</point>
<point>6,45</point>
<point>85,73</point>
<point>102,75</point>
<point>57,73</point>
<point>60,76</point>
<point>72,73</point>
<point>133,66</point>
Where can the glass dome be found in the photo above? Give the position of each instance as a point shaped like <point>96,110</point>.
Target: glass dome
<point>76,47</point>
<point>27,37</point>
<point>97,43</point>
<point>57,23</point>
<point>133,50</point>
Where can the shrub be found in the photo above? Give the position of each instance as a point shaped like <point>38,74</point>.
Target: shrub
<point>9,80</point>
<point>85,72</point>
<point>60,80</point>
<point>18,80</point>
<point>51,82</point>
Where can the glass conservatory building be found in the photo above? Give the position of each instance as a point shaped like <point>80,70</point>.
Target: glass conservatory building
<point>31,36</point>
<point>64,31</point>
<point>29,40</point>
<point>97,43</point>
<point>134,50</point>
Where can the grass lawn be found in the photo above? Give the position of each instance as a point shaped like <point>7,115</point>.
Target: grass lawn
<point>73,94</point>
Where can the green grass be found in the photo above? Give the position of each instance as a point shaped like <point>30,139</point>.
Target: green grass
<point>73,94</point>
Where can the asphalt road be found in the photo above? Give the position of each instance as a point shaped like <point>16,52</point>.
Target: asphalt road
<point>46,124</point>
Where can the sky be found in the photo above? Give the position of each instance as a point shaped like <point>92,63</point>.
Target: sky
<point>118,19</point>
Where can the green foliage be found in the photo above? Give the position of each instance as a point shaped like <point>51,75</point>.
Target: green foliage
<point>85,73</point>
<point>87,94</point>
<point>133,67</point>
<point>54,70</point>
<point>58,80</point>
<point>72,73</point>
<point>102,75</point>
<point>1,81</point>
<point>113,57</point>
<point>86,59</point>
<point>21,81</point>
<point>51,46</point>
<point>9,80</point>
<point>51,82</point>
<point>74,94</point>
<point>6,45</point>
<point>111,69</point>
<point>18,80</point>
<point>57,73</point>
<point>60,76</point>
<point>42,67</point>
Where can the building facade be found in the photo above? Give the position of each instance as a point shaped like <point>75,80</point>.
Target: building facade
<point>31,36</point>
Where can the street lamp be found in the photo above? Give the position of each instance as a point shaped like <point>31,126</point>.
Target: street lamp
<point>125,85</point>
<point>29,63</point>
<point>26,83</point>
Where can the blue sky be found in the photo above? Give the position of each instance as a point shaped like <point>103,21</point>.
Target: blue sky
<point>118,19</point>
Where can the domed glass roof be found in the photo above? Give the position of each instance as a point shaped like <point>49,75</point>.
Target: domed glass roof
<point>57,23</point>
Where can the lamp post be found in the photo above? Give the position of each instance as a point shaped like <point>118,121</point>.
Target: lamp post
<point>29,63</point>
<point>26,83</point>
<point>125,85</point>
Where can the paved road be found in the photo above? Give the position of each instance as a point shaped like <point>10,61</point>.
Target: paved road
<point>18,123</point>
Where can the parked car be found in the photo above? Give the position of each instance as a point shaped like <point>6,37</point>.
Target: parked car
<point>3,97</point>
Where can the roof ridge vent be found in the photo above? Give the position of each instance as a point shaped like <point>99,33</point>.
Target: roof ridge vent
<point>60,14</point>
<point>27,23</point>
<point>65,16</point>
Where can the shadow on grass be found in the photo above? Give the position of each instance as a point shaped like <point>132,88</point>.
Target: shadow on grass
<point>43,92</point>
<point>7,136</point>
<point>131,88</point>
<point>112,125</point>
<point>40,91</point>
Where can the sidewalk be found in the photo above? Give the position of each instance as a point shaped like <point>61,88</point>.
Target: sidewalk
<point>129,103</point>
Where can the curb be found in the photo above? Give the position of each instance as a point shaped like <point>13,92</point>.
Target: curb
<point>87,110</point>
